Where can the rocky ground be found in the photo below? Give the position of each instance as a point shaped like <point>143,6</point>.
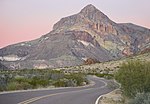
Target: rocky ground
<point>114,97</point>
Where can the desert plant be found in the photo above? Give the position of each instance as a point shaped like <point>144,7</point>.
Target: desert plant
<point>60,83</point>
<point>141,98</point>
<point>134,77</point>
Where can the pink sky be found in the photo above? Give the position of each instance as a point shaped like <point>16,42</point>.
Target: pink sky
<point>23,20</point>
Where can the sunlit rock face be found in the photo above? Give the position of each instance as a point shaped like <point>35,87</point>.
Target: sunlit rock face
<point>87,34</point>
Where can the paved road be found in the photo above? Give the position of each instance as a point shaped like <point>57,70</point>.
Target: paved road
<point>81,95</point>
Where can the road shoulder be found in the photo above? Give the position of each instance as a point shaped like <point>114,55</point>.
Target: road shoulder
<point>114,97</point>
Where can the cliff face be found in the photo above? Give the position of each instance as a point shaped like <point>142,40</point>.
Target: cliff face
<point>88,34</point>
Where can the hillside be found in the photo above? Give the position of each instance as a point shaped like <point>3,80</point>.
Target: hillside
<point>106,67</point>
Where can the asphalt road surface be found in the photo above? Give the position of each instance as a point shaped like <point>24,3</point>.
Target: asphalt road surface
<point>80,95</point>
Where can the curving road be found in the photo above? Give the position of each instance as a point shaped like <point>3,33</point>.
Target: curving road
<point>78,95</point>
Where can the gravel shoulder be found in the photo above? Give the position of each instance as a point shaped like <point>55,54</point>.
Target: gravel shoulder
<point>114,97</point>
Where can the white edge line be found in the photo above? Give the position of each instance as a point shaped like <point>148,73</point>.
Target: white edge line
<point>97,100</point>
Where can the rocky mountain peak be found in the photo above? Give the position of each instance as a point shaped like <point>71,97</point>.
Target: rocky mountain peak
<point>94,14</point>
<point>89,8</point>
<point>89,15</point>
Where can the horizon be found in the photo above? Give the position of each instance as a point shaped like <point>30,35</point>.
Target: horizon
<point>22,20</point>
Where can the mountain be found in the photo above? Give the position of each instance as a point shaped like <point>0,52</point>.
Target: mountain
<point>90,34</point>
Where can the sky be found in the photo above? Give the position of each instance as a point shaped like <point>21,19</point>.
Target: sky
<point>24,20</point>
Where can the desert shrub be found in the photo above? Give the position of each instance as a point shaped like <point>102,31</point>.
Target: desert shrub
<point>11,86</point>
<point>134,77</point>
<point>72,83</point>
<point>103,75</point>
<point>60,83</point>
<point>107,76</point>
<point>20,79</point>
<point>3,84</point>
<point>18,86</point>
<point>141,98</point>
<point>2,88</point>
<point>35,82</point>
<point>25,86</point>
<point>77,78</point>
<point>14,86</point>
<point>56,76</point>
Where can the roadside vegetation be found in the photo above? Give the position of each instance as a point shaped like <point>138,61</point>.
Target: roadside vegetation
<point>134,77</point>
<point>103,75</point>
<point>141,98</point>
<point>36,78</point>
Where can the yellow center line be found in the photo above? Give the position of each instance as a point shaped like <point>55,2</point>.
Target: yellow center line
<point>45,96</point>
<point>41,97</point>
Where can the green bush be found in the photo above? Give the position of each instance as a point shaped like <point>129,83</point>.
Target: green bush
<point>56,76</point>
<point>18,86</point>
<point>107,76</point>
<point>35,82</point>
<point>134,77</point>
<point>141,98</point>
<point>77,78</point>
<point>60,83</point>
<point>20,79</point>
<point>2,88</point>
<point>25,86</point>
<point>13,86</point>
<point>72,83</point>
